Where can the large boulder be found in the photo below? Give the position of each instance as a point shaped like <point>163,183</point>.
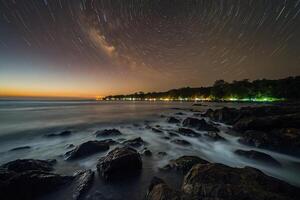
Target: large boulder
<point>199,124</point>
<point>28,179</point>
<point>225,115</point>
<point>22,165</point>
<point>159,190</point>
<point>119,162</point>
<point>108,133</point>
<point>184,163</point>
<point>220,182</point>
<point>258,156</point>
<point>83,180</point>
<point>188,132</point>
<point>87,149</point>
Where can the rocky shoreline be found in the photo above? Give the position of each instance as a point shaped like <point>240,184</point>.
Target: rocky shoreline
<point>275,128</point>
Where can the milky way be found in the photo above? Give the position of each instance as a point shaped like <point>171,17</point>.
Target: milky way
<point>161,44</point>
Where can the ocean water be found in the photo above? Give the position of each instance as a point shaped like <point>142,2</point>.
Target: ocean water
<point>25,123</point>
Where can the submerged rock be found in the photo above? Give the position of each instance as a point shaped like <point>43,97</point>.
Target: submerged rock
<point>181,142</point>
<point>87,149</point>
<point>173,120</point>
<point>136,142</point>
<point>156,130</point>
<point>108,132</point>
<point>217,181</point>
<point>258,156</point>
<point>147,152</point>
<point>184,163</point>
<point>188,132</point>
<point>22,165</point>
<point>172,134</point>
<point>162,153</point>
<point>199,124</point>
<point>120,162</point>
<point>20,148</point>
<point>63,133</point>
<point>214,136</point>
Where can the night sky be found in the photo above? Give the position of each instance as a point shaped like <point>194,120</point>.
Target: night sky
<point>84,48</point>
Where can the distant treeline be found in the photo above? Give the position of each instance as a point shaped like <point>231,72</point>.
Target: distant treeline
<point>287,88</point>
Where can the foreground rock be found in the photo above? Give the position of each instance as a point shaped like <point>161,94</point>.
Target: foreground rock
<point>28,179</point>
<point>199,124</point>
<point>188,132</point>
<point>62,134</point>
<point>120,162</point>
<point>22,165</point>
<point>173,120</point>
<point>217,181</point>
<point>258,156</point>
<point>159,190</point>
<point>83,180</point>
<point>184,163</point>
<point>108,132</point>
<point>136,142</point>
<point>87,149</point>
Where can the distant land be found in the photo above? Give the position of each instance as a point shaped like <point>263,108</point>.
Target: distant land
<point>261,90</point>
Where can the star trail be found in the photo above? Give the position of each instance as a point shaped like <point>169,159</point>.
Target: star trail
<point>86,48</point>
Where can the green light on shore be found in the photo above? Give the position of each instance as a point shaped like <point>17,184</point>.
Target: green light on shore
<point>260,99</point>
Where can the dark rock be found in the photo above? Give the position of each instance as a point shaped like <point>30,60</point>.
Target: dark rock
<point>220,182</point>
<point>70,146</point>
<point>83,180</point>
<point>162,153</point>
<point>20,148</point>
<point>180,113</point>
<point>159,190</point>
<point>172,134</point>
<point>120,162</point>
<point>197,104</point>
<point>214,136</point>
<point>22,165</point>
<point>181,142</point>
<point>64,133</point>
<point>199,124</point>
<point>166,137</point>
<point>173,120</point>
<point>87,149</point>
<point>184,163</point>
<point>258,156</point>
<point>147,152</point>
<point>225,115</point>
<point>108,132</point>
<point>136,142</point>
<point>109,142</point>
<point>188,132</point>
<point>156,130</point>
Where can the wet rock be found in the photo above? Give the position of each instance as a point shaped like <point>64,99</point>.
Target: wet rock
<point>217,181</point>
<point>199,124</point>
<point>181,142</point>
<point>173,120</point>
<point>147,152</point>
<point>225,115</point>
<point>108,133</point>
<point>159,190</point>
<point>22,165</point>
<point>83,180</point>
<point>109,142</point>
<point>162,153</point>
<point>258,156</point>
<point>63,134</point>
<point>188,132</point>
<point>184,163</point>
<point>179,113</point>
<point>286,140</point>
<point>136,142</point>
<point>214,136</point>
<point>87,149</point>
<point>20,148</point>
<point>172,134</point>
<point>120,162</point>
<point>155,130</point>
